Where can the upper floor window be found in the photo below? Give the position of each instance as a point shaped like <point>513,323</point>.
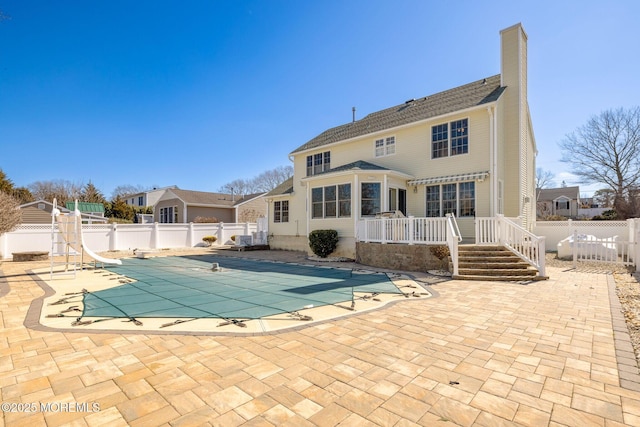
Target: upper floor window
<point>385,146</point>
<point>281,211</point>
<point>317,163</point>
<point>140,200</point>
<point>450,139</point>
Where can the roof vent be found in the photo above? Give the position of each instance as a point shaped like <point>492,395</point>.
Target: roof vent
<point>410,101</point>
<point>484,82</point>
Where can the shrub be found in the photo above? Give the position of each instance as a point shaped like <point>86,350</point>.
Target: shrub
<point>442,253</point>
<point>205,219</point>
<point>323,242</point>
<point>10,215</point>
<point>209,240</point>
<point>233,237</point>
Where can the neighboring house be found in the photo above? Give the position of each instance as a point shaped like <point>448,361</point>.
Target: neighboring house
<point>563,201</point>
<point>469,151</point>
<point>147,198</point>
<point>39,212</point>
<point>184,206</point>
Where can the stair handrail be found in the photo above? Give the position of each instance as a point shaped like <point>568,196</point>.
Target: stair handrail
<point>523,243</point>
<point>453,238</point>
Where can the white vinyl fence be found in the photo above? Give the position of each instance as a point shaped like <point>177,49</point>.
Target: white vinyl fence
<point>556,231</point>
<point>111,237</point>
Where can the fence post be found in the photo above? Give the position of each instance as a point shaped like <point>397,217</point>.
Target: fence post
<point>190,239</point>
<point>574,248</point>
<point>384,230</point>
<point>113,241</point>
<point>636,254</point>
<point>542,255</point>
<point>155,237</point>
<point>220,232</point>
<point>412,222</point>
<point>3,246</point>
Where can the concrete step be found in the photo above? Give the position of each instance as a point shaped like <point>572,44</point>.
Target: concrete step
<point>493,263</point>
<point>497,272</point>
<point>500,278</point>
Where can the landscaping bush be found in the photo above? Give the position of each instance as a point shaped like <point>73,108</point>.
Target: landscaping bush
<point>10,215</point>
<point>323,242</point>
<point>233,237</point>
<point>205,219</point>
<point>609,215</point>
<point>209,240</point>
<point>442,253</point>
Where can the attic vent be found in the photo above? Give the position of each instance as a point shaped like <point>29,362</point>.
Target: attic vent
<point>410,101</point>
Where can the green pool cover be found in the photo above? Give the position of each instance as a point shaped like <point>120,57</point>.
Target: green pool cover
<point>186,287</point>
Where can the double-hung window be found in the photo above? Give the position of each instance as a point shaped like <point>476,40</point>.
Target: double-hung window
<point>370,198</point>
<point>318,163</point>
<point>458,199</point>
<point>281,211</point>
<point>450,139</point>
<point>385,146</point>
<point>332,201</point>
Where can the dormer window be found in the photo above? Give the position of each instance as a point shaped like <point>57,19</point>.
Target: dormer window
<point>318,163</point>
<point>385,146</point>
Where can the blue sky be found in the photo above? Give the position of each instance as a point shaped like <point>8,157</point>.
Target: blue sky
<point>200,93</point>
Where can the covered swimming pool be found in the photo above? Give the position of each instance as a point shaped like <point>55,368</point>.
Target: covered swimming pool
<point>187,287</point>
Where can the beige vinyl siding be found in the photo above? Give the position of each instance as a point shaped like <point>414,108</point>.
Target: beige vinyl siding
<point>222,214</point>
<point>252,210</point>
<point>33,215</point>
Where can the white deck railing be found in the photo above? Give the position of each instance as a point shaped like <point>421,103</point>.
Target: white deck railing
<point>507,232</point>
<point>453,238</point>
<point>420,231</point>
<point>426,231</point>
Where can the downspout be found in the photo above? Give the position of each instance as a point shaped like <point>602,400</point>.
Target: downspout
<point>493,188</point>
<point>308,219</point>
<point>354,205</point>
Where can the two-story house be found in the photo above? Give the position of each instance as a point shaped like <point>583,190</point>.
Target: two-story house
<point>469,151</point>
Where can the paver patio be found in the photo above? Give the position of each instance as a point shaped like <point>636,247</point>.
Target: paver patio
<point>478,354</point>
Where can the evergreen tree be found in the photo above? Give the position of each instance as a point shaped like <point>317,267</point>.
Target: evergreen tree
<point>91,194</point>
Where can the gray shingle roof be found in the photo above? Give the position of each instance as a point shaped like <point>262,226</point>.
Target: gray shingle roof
<point>285,188</point>
<point>460,98</point>
<point>204,198</point>
<point>359,164</point>
<point>572,193</point>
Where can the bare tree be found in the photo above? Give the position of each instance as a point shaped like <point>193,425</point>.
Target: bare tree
<point>238,187</point>
<point>607,150</point>
<point>127,190</point>
<point>262,183</point>
<point>543,178</point>
<point>270,179</point>
<point>10,215</point>
<point>61,190</point>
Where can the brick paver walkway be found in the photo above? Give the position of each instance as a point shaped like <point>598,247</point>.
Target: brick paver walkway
<point>479,354</point>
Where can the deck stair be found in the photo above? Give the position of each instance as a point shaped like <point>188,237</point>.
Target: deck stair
<point>493,263</point>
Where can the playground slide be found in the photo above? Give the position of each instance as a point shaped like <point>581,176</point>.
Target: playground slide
<point>96,256</point>
<point>66,229</point>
